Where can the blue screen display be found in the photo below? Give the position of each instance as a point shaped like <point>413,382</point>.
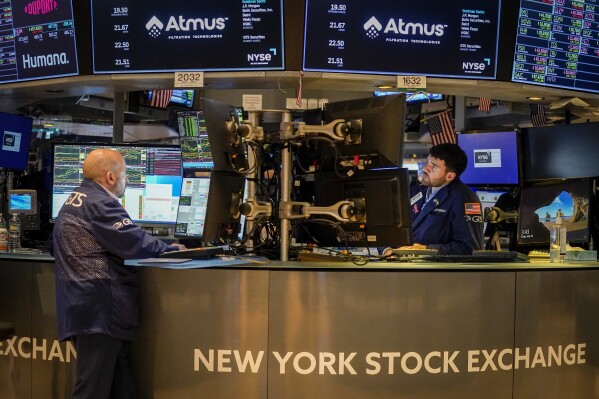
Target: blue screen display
<point>15,135</point>
<point>492,158</point>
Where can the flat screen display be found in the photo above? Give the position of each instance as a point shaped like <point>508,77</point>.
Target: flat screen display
<point>15,133</point>
<point>492,158</point>
<point>192,207</point>
<point>20,203</point>
<point>540,206</point>
<point>187,36</point>
<point>557,44</point>
<point>153,188</point>
<point>38,40</point>
<point>560,152</point>
<point>195,146</point>
<point>434,38</point>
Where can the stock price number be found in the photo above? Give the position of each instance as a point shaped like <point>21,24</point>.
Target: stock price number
<point>122,62</point>
<point>120,11</point>
<point>337,43</point>
<point>338,7</point>
<point>121,28</point>
<point>337,25</point>
<point>335,61</point>
<point>121,45</point>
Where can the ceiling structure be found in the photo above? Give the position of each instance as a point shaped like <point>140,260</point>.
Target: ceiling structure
<point>69,96</point>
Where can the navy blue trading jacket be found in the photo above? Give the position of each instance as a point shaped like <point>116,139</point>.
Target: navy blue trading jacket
<point>451,222</point>
<point>95,292</point>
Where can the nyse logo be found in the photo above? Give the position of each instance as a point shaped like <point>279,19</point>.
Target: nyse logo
<point>9,140</point>
<point>483,157</point>
<point>40,7</point>
<point>473,66</point>
<point>261,58</point>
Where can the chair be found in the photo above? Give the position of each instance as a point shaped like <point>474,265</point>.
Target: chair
<point>7,330</point>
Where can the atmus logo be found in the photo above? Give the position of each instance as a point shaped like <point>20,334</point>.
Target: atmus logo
<point>398,27</point>
<point>181,24</point>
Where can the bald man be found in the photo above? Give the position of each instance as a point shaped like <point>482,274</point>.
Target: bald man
<point>96,294</point>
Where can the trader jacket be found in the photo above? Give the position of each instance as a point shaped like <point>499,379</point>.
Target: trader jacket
<point>95,292</point>
<point>451,222</point>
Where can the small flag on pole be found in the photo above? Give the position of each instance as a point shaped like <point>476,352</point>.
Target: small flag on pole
<point>441,129</point>
<point>537,115</point>
<point>161,98</point>
<point>484,104</point>
<point>298,100</point>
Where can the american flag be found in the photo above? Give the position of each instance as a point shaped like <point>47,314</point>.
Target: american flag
<point>161,98</point>
<point>441,129</point>
<point>484,104</point>
<point>298,100</point>
<point>537,115</point>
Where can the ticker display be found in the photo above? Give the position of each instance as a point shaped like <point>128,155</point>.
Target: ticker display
<point>557,44</point>
<point>37,40</point>
<point>176,35</point>
<point>434,38</point>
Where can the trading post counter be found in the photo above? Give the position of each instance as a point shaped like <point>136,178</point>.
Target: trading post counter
<point>328,330</point>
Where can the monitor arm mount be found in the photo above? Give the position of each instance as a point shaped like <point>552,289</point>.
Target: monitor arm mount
<point>341,130</point>
<point>498,217</point>
<point>350,210</point>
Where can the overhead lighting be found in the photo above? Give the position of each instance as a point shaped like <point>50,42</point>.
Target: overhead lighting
<point>533,98</point>
<point>385,87</point>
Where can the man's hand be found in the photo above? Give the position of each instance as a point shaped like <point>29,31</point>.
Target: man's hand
<point>179,246</point>
<point>413,246</point>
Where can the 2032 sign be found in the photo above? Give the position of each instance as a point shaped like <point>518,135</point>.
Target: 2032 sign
<point>189,79</point>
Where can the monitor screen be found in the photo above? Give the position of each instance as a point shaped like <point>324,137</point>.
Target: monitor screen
<point>540,205</point>
<point>38,40</point>
<point>192,207</point>
<point>154,173</point>
<point>383,124</point>
<point>556,45</point>
<point>195,146</point>
<point>185,36</point>
<point>560,152</point>
<point>22,201</point>
<point>385,196</point>
<point>15,132</point>
<point>492,158</point>
<point>436,38</point>
<point>224,223</point>
<point>183,98</point>
<point>413,97</point>
<point>227,149</point>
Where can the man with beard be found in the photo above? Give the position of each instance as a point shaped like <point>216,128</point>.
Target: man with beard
<point>446,215</point>
<point>97,304</point>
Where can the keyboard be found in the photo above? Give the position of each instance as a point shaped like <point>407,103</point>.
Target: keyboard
<point>499,256</point>
<point>414,252</point>
<point>193,253</point>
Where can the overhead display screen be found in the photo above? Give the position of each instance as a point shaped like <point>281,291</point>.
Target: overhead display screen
<point>557,44</point>
<point>434,38</point>
<point>38,40</point>
<point>182,35</point>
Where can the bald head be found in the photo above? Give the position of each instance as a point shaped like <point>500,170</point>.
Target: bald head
<point>107,168</point>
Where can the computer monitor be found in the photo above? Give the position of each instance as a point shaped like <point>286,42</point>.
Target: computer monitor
<point>22,202</point>
<point>492,158</point>
<point>195,146</point>
<point>541,204</point>
<point>192,207</point>
<point>385,195</point>
<point>223,223</point>
<point>560,152</point>
<point>227,148</point>
<point>15,132</point>
<point>383,120</point>
<point>154,172</point>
